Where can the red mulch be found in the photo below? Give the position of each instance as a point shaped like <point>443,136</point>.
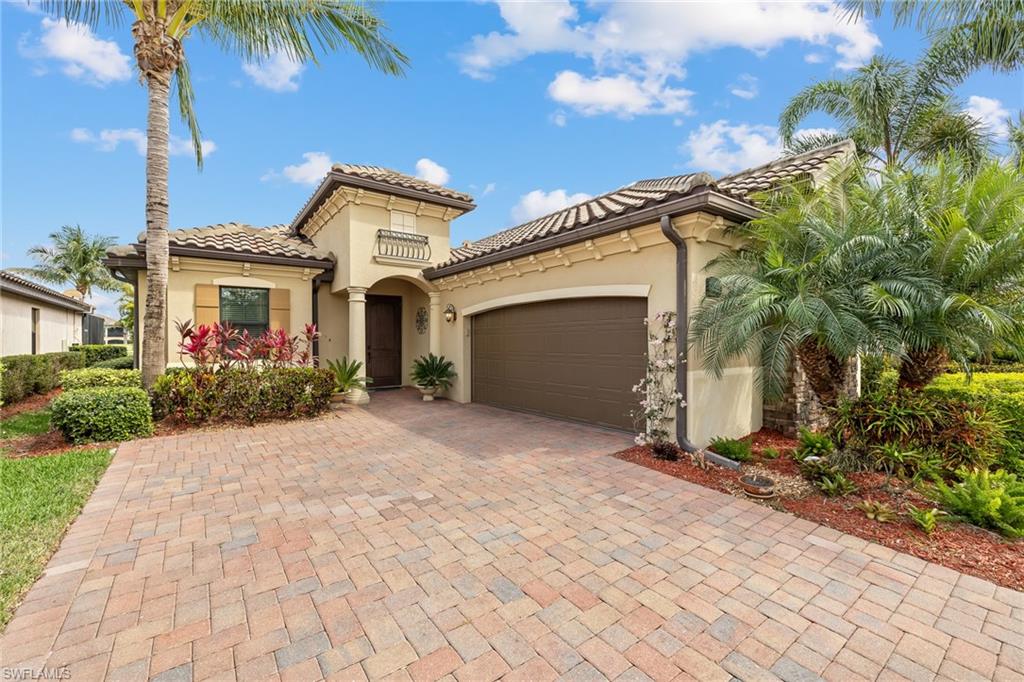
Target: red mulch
<point>958,546</point>
<point>29,404</point>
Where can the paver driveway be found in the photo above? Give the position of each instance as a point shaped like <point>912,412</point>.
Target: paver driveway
<point>426,540</point>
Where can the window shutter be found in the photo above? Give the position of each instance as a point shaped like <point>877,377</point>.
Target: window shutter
<point>207,304</point>
<point>281,309</point>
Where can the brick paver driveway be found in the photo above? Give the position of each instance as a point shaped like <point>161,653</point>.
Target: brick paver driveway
<point>426,540</point>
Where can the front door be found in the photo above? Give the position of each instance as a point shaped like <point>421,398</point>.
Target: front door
<point>384,340</point>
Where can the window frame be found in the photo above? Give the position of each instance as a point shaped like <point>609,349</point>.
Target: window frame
<point>404,228</point>
<point>254,328</point>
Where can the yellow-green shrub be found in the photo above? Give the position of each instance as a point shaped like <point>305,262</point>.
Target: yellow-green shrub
<point>93,415</point>
<point>98,377</point>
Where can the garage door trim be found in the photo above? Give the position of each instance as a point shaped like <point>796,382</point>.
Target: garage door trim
<point>595,291</point>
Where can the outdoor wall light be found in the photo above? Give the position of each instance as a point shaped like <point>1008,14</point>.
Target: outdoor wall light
<point>450,314</point>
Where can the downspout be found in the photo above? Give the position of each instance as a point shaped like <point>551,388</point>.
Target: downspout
<point>316,321</point>
<point>683,328</point>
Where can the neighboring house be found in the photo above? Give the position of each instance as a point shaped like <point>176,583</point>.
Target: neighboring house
<point>547,316</point>
<point>114,333</point>
<point>35,319</point>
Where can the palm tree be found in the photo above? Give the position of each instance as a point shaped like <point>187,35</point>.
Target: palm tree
<point>971,33</point>
<point>253,29</point>
<point>895,113</point>
<point>967,235</point>
<point>804,287</point>
<point>73,257</point>
<point>1016,139</point>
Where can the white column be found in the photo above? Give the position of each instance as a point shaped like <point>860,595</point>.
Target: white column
<point>357,336</point>
<point>435,322</point>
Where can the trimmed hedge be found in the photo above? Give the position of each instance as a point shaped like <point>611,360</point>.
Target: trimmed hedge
<point>25,375</point>
<point>91,415</point>
<point>1002,394</point>
<point>127,362</point>
<point>248,395</point>
<point>98,377</point>
<point>98,352</point>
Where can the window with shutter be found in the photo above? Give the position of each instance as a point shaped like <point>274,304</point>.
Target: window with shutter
<point>245,308</point>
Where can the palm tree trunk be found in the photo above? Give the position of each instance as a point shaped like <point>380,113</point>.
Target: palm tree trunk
<point>154,326</point>
<point>826,373</point>
<point>921,366</point>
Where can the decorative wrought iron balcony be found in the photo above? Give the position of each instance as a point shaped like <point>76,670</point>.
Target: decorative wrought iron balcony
<point>402,246</point>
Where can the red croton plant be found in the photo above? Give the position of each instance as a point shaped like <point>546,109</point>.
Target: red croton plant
<point>221,346</point>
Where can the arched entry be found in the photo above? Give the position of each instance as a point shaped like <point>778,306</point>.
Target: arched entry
<point>397,325</point>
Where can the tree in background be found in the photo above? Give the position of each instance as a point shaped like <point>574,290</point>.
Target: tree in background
<point>896,113</point>
<point>74,258</point>
<point>126,308</point>
<point>253,29</point>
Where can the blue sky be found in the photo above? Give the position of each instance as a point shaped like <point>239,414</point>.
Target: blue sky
<point>525,106</point>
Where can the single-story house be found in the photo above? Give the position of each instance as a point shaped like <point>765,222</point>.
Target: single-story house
<point>36,319</point>
<point>547,316</point>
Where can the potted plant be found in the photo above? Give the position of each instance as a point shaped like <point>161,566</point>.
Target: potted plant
<point>431,374</point>
<point>347,379</point>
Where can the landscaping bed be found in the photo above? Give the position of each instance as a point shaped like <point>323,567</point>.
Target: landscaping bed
<point>956,545</point>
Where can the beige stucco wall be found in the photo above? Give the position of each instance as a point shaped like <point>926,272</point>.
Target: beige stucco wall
<point>59,328</point>
<point>638,262</point>
<point>186,273</point>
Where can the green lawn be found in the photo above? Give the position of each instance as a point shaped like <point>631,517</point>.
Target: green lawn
<point>25,424</point>
<point>39,497</point>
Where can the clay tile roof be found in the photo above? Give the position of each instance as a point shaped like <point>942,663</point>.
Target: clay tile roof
<point>15,284</point>
<point>653,191</point>
<point>785,169</point>
<point>391,177</point>
<point>275,240</point>
<point>621,201</point>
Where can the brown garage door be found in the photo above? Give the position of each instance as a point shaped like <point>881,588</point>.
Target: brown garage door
<point>575,358</point>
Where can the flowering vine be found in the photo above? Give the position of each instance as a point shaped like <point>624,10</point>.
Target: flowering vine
<point>657,390</point>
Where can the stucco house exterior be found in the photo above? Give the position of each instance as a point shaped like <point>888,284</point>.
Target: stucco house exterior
<point>547,316</point>
<point>35,319</point>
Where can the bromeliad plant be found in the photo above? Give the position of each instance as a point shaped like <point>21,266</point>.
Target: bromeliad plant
<point>220,346</point>
<point>657,389</point>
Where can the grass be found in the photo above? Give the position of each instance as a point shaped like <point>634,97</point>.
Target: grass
<point>25,424</point>
<point>41,496</point>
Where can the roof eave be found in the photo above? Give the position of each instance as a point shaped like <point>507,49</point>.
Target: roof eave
<point>703,199</point>
<point>36,295</point>
<point>335,178</point>
<point>139,261</point>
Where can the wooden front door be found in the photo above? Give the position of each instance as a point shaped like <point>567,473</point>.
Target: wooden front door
<point>384,340</point>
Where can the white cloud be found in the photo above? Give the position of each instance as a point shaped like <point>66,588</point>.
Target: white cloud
<point>814,58</point>
<point>991,113</point>
<point>723,148</point>
<point>745,87</point>
<point>559,118</point>
<point>109,139</point>
<point>278,73</point>
<point>538,202</point>
<point>82,54</point>
<point>489,188</point>
<point>622,95</point>
<point>311,171</point>
<point>638,50</point>
<point>432,171</point>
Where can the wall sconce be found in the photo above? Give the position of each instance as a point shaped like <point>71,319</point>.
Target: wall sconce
<point>450,314</point>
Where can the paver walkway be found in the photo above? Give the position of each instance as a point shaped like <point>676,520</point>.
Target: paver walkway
<point>423,541</point>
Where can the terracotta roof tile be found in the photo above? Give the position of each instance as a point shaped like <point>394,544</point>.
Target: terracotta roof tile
<point>391,177</point>
<point>239,238</point>
<point>9,278</point>
<point>652,191</point>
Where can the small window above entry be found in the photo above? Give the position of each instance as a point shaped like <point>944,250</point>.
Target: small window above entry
<point>403,222</point>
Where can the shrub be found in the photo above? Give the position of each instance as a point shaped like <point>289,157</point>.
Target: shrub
<point>736,450</point>
<point>816,469</point>
<point>242,394</point>
<point>98,352</point>
<point>126,362</point>
<point>814,445</point>
<point>662,449</point>
<point>97,377</point>
<point>770,453</point>
<point>989,499</point>
<point>25,375</point>
<point>91,415</point>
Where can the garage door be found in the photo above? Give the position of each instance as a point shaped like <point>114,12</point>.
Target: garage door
<point>574,358</point>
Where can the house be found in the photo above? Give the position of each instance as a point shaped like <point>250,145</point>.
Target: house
<point>547,316</point>
<point>35,319</point>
